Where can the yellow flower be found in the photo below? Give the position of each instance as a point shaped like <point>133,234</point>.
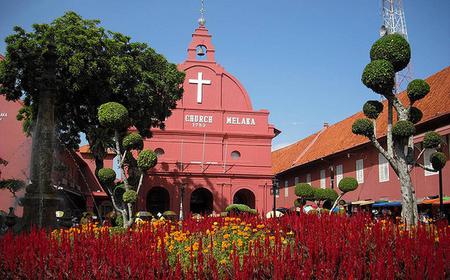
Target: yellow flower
<point>225,236</point>
<point>223,261</point>
<point>260,226</point>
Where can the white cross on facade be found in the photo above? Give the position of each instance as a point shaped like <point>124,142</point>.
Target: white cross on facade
<point>200,82</point>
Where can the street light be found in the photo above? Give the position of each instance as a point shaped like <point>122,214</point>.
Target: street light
<point>275,193</point>
<point>182,189</point>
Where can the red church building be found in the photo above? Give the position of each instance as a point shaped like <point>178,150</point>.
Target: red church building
<point>325,157</point>
<point>215,149</point>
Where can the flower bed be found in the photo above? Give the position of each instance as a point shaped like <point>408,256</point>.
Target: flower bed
<point>247,247</point>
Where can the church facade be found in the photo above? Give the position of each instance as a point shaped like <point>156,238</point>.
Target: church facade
<point>215,149</point>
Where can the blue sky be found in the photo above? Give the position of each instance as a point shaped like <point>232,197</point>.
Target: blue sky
<point>302,60</point>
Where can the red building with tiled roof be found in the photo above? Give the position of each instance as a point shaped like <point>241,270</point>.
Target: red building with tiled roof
<point>334,152</point>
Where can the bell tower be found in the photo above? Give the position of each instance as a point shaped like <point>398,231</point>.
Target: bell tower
<point>201,47</point>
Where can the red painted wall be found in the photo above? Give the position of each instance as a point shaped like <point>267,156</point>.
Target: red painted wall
<point>371,188</point>
<point>15,148</point>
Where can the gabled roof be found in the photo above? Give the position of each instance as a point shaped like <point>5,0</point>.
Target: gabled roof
<point>339,137</point>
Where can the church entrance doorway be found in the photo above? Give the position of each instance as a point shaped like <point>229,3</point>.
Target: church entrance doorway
<point>244,196</point>
<point>158,200</point>
<point>201,201</point>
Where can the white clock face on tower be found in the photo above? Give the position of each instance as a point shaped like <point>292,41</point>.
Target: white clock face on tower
<point>200,82</point>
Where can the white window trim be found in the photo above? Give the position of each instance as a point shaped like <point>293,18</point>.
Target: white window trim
<point>339,173</point>
<point>323,179</point>
<point>308,178</point>
<point>383,164</point>
<point>360,171</point>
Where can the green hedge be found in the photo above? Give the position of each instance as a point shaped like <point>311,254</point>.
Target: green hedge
<point>417,89</point>
<point>113,115</point>
<point>403,129</point>
<point>372,109</point>
<point>432,140</point>
<point>363,127</point>
<point>133,141</point>
<point>240,208</point>
<point>304,190</point>
<point>129,196</point>
<point>147,159</point>
<point>438,160</point>
<point>348,184</point>
<point>415,115</point>
<point>393,48</point>
<point>107,176</point>
<point>379,76</point>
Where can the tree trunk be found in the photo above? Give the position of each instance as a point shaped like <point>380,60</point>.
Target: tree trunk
<point>409,203</point>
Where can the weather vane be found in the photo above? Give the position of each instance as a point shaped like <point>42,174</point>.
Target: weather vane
<point>202,20</point>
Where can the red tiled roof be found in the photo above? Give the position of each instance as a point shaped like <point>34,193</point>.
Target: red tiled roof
<point>339,137</point>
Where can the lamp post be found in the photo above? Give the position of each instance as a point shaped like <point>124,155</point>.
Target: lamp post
<point>274,192</point>
<point>182,189</point>
<point>441,198</point>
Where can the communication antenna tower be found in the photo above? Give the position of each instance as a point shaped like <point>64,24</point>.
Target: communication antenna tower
<point>394,22</point>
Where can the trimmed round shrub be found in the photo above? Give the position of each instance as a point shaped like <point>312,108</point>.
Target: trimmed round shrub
<point>169,213</point>
<point>129,196</point>
<point>379,76</point>
<point>146,159</point>
<point>348,184</point>
<point>393,48</point>
<point>304,190</point>
<point>119,220</point>
<point>239,208</point>
<point>372,109</point>
<point>299,202</point>
<point>325,194</point>
<point>113,115</point>
<point>415,115</point>
<point>438,160</point>
<point>417,89</point>
<point>403,129</point>
<point>107,176</point>
<point>133,141</point>
<point>432,140</point>
<point>363,127</point>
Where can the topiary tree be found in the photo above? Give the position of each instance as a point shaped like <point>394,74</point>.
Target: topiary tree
<point>347,184</point>
<point>305,192</point>
<point>322,195</point>
<point>114,116</point>
<point>391,54</point>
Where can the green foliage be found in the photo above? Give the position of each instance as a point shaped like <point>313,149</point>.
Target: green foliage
<point>325,194</point>
<point>146,160</point>
<point>432,140</point>
<point>119,220</point>
<point>393,48</point>
<point>363,127</point>
<point>372,109</point>
<point>25,115</point>
<point>106,176</point>
<point>239,208</point>
<point>13,185</point>
<point>417,89</point>
<point>133,141</point>
<point>299,202</point>
<point>169,213</point>
<point>304,190</point>
<point>113,115</point>
<point>94,66</point>
<point>415,115</point>
<point>379,75</point>
<point>438,160</point>
<point>129,196</point>
<point>348,184</point>
<point>403,129</point>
